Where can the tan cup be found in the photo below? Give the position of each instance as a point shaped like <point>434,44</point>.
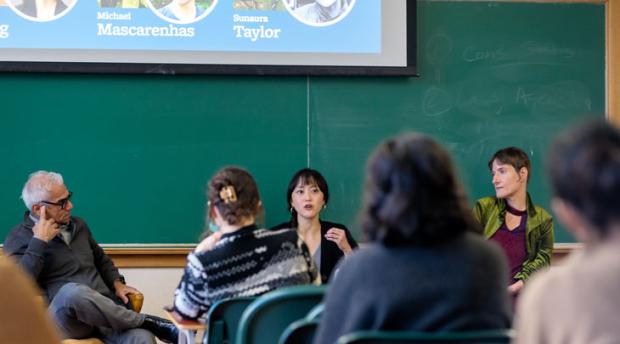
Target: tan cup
<point>136,301</point>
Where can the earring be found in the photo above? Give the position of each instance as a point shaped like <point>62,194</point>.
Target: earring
<point>290,210</point>
<point>324,206</point>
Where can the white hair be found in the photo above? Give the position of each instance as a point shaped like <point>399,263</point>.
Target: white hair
<point>39,186</point>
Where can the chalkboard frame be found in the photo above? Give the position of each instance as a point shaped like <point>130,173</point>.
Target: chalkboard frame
<point>230,69</point>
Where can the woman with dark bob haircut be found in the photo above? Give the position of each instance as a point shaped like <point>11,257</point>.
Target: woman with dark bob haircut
<point>307,195</point>
<point>426,268</point>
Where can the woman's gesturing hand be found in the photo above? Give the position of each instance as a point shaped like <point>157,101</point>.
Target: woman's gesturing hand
<point>339,236</point>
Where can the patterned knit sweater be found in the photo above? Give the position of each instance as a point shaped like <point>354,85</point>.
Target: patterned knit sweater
<point>247,262</point>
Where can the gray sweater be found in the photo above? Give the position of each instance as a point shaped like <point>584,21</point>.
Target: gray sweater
<point>455,286</point>
<point>53,264</point>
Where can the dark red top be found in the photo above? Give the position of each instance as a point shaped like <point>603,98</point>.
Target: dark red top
<point>513,242</point>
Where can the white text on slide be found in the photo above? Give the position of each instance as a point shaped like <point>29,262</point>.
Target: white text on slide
<point>255,33</point>
<point>4,31</point>
<point>144,31</point>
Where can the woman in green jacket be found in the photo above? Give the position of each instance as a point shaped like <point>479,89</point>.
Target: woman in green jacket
<point>522,229</point>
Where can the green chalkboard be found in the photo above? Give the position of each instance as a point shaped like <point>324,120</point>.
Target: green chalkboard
<point>491,75</point>
<point>137,150</point>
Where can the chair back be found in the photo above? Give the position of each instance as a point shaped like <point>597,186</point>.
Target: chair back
<point>266,318</point>
<point>316,312</point>
<point>303,330</point>
<point>299,332</point>
<point>397,337</point>
<point>223,319</point>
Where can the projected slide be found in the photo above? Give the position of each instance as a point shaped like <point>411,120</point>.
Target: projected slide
<point>239,32</point>
<point>199,25</point>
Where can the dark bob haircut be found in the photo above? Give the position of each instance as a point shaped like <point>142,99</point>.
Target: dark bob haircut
<point>305,176</point>
<point>412,195</point>
<point>584,167</point>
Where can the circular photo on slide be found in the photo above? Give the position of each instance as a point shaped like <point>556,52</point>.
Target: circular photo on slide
<point>41,11</point>
<point>319,12</point>
<point>182,11</point>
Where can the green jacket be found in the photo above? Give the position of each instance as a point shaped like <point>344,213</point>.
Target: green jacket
<point>490,212</point>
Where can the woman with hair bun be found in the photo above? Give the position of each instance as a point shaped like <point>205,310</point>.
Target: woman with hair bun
<point>426,268</point>
<point>239,259</point>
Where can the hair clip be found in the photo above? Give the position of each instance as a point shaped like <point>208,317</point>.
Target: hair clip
<point>228,194</point>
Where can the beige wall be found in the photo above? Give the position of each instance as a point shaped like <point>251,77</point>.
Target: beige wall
<point>157,285</point>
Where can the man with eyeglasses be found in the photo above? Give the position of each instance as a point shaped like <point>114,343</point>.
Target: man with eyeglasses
<point>87,295</point>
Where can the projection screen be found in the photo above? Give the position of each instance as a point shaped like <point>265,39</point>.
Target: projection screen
<point>312,37</point>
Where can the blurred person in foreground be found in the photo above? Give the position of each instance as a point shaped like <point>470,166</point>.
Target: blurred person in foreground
<point>578,302</point>
<point>426,268</point>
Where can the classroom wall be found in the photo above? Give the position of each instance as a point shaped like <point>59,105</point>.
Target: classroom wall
<point>137,150</point>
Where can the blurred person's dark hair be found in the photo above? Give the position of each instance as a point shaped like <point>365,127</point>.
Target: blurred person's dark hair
<point>412,194</point>
<point>584,167</point>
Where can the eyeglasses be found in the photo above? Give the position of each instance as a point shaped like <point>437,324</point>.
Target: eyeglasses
<point>61,203</point>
